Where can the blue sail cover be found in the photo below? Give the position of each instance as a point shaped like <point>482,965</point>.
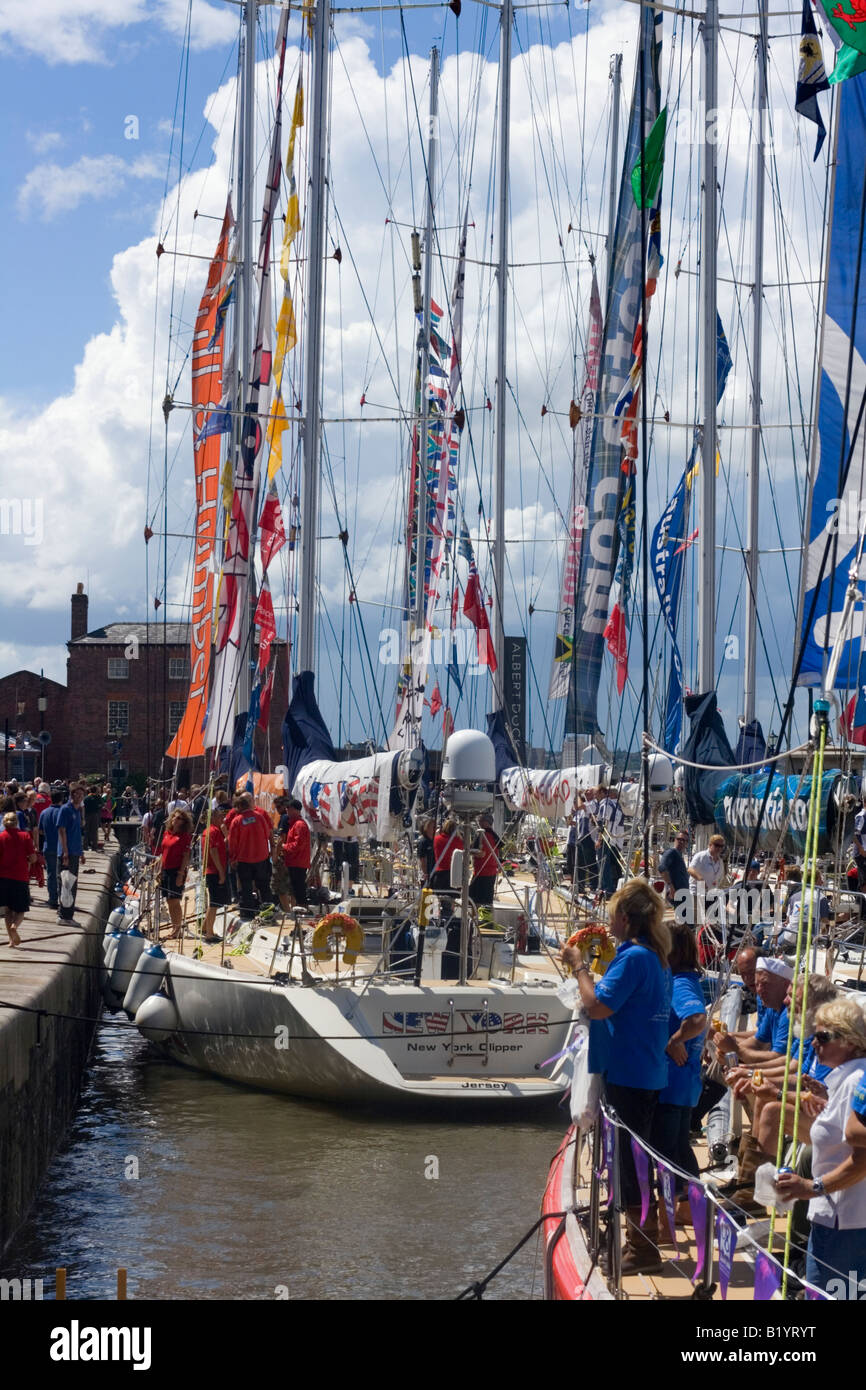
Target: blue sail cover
<point>707,744</point>
<point>503,744</point>
<point>305,733</point>
<point>839,404</point>
<point>592,598</point>
<point>738,803</point>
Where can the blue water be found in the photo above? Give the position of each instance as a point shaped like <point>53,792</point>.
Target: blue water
<point>206,1190</point>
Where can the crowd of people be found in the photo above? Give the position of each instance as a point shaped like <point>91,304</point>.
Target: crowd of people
<point>799,1074</point>
<point>593,852</point>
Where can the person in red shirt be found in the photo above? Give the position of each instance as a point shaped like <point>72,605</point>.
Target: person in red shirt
<point>174,853</point>
<point>297,854</point>
<point>215,865</point>
<point>486,863</point>
<point>16,856</point>
<point>249,836</point>
<point>444,845</point>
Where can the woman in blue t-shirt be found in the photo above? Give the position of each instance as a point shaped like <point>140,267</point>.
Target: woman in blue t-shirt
<point>629,1010</point>
<point>688,1024</point>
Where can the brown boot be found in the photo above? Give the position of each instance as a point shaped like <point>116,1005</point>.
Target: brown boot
<point>640,1255</point>
<point>751,1157</point>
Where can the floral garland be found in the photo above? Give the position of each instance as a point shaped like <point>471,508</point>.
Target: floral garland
<point>595,944</point>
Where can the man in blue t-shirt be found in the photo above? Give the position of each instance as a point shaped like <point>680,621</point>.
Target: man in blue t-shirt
<point>48,824</point>
<point>70,836</point>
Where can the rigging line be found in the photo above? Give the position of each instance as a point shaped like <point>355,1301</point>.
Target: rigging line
<point>185,68</point>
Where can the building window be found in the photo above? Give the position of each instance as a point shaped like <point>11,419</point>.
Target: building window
<point>118,668</point>
<point>175,715</point>
<point>118,717</point>
<point>178,668</point>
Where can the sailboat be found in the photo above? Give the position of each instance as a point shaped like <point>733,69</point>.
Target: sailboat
<point>804,809</point>
<point>320,1019</point>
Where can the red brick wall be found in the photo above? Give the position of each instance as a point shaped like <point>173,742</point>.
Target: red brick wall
<point>24,688</point>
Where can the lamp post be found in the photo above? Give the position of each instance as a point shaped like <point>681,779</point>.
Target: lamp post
<point>41,705</point>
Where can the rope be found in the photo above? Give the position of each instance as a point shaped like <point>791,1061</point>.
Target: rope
<point>734,767</point>
<point>476,1289</point>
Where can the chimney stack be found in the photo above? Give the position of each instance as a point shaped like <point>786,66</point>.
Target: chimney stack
<point>79,613</point>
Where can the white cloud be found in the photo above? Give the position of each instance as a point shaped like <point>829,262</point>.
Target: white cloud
<point>45,140</point>
<point>83,31</point>
<point>53,190</point>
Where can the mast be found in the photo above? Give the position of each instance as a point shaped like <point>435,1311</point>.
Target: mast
<point>420,613</point>
<point>248,259</point>
<point>707,534</point>
<point>614,169</point>
<point>313,359</point>
<point>753,473</point>
<point>506,20</point>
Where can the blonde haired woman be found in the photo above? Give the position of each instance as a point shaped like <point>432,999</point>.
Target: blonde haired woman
<point>836,1258</point>
<point>629,1011</point>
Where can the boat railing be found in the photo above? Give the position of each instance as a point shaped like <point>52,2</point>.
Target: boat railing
<point>604,1216</point>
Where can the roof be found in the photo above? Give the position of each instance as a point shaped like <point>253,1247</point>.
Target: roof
<point>119,634</point>
<point>34,676</point>
<point>153,634</point>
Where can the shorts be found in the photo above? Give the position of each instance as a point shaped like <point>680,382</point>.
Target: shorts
<point>218,894</point>
<point>14,895</point>
<point>169,884</point>
<point>280,881</point>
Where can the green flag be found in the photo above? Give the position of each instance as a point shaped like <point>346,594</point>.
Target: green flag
<point>652,161</point>
<point>848,19</point>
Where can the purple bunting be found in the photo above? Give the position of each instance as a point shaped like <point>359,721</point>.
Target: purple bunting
<point>641,1165</point>
<point>813,1294</point>
<point>667,1183</point>
<point>768,1277</point>
<point>698,1208</point>
<point>608,1145</point>
<point>726,1233</point>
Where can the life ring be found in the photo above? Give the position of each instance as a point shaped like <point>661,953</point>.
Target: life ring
<point>338,923</point>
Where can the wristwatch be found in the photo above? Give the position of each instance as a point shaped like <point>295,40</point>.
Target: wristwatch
<point>583,966</point>
<point>818,1189</point>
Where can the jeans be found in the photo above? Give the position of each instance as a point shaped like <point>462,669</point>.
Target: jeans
<point>609,868</point>
<point>67,913</point>
<point>670,1137</point>
<point>51,879</point>
<point>255,887</point>
<point>836,1261</point>
<point>636,1109</point>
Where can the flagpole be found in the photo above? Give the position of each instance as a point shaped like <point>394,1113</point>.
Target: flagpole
<point>507,20</point>
<point>644,454</point>
<point>248,260</point>
<point>707,536</point>
<point>422,488</point>
<point>614,170</point>
<point>313,356</point>
<point>753,472</point>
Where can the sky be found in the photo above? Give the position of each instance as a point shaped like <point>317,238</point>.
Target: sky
<point>118,134</point>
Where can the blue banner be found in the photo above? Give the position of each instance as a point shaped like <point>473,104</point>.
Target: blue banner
<point>592,599</point>
<point>738,802</point>
<point>839,404</point>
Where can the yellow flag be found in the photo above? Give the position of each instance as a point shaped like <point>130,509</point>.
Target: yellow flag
<point>276,425</point>
<point>287,334</point>
<point>293,213</point>
<point>227,482</point>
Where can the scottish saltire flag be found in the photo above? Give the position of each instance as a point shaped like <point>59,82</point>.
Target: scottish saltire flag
<point>837,520</point>
<point>811,76</point>
<point>604,490</point>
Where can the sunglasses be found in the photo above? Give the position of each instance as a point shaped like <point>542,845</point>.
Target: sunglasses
<point>823,1037</point>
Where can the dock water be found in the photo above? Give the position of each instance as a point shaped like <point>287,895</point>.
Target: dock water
<point>50,1003</point>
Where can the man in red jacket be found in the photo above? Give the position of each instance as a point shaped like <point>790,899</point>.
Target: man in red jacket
<point>296,852</point>
<point>249,837</point>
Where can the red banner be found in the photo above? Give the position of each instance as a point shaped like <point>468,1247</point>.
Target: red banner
<point>207,369</point>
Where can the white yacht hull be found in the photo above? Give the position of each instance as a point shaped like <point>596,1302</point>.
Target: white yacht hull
<point>383,1042</point>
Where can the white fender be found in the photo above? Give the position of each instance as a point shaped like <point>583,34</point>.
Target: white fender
<point>129,948</point>
<point>157,1018</point>
<point>146,978</point>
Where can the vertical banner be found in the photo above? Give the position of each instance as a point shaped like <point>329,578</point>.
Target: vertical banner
<point>698,1209</point>
<point>641,1167</point>
<point>604,482</point>
<point>209,423</point>
<point>563,651</point>
<point>844,352</point>
<point>607,1137</point>
<point>768,1277</point>
<point>727,1232</point>
<point>667,1183</point>
<point>514,693</point>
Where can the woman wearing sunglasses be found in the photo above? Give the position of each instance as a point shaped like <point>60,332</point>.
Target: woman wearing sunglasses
<point>836,1259</point>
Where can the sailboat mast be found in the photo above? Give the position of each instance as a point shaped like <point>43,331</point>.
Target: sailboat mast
<point>707,534</point>
<point>753,475</point>
<point>507,21</point>
<point>422,489</point>
<point>313,357</point>
<point>614,169</point>
<point>247,173</point>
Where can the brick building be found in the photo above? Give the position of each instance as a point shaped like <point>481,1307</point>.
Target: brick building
<point>30,703</point>
<point>126,690</point>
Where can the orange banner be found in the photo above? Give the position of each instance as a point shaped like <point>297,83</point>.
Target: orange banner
<point>209,421</point>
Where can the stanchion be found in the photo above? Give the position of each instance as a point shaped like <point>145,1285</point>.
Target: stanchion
<point>60,1284</point>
